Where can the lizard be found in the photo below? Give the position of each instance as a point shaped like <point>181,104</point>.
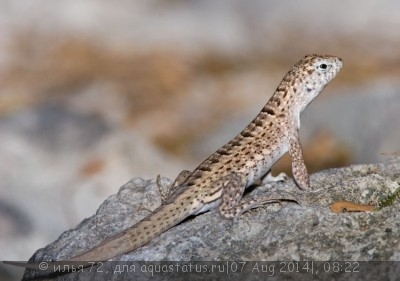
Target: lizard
<point>221,179</point>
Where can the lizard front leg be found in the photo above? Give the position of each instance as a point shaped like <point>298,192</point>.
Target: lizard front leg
<point>269,178</point>
<point>299,169</point>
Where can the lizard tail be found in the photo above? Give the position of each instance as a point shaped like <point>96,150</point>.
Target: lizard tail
<point>136,236</point>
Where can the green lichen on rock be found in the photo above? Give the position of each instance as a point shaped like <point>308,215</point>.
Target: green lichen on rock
<point>388,201</point>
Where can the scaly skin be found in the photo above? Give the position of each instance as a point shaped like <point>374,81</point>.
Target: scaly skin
<point>222,178</point>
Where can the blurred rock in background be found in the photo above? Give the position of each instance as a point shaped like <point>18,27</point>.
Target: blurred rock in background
<point>93,93</point>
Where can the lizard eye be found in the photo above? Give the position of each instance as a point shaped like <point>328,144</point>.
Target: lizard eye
<point>323,66</point>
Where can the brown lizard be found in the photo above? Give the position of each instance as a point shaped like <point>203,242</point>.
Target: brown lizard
<point>220,180</point>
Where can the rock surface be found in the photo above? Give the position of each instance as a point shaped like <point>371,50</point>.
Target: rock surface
<point>277,232</point>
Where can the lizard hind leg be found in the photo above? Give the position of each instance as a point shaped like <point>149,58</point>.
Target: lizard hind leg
<point>168,191</point>
<point>232,205</point>
<point>233,186</point>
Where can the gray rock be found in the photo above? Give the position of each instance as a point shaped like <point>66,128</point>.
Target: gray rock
<point>307,231</point>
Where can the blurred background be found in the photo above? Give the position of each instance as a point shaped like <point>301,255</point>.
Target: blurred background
<point>94,93</point>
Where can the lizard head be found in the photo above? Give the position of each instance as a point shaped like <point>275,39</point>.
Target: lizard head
<point>311,74</point>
